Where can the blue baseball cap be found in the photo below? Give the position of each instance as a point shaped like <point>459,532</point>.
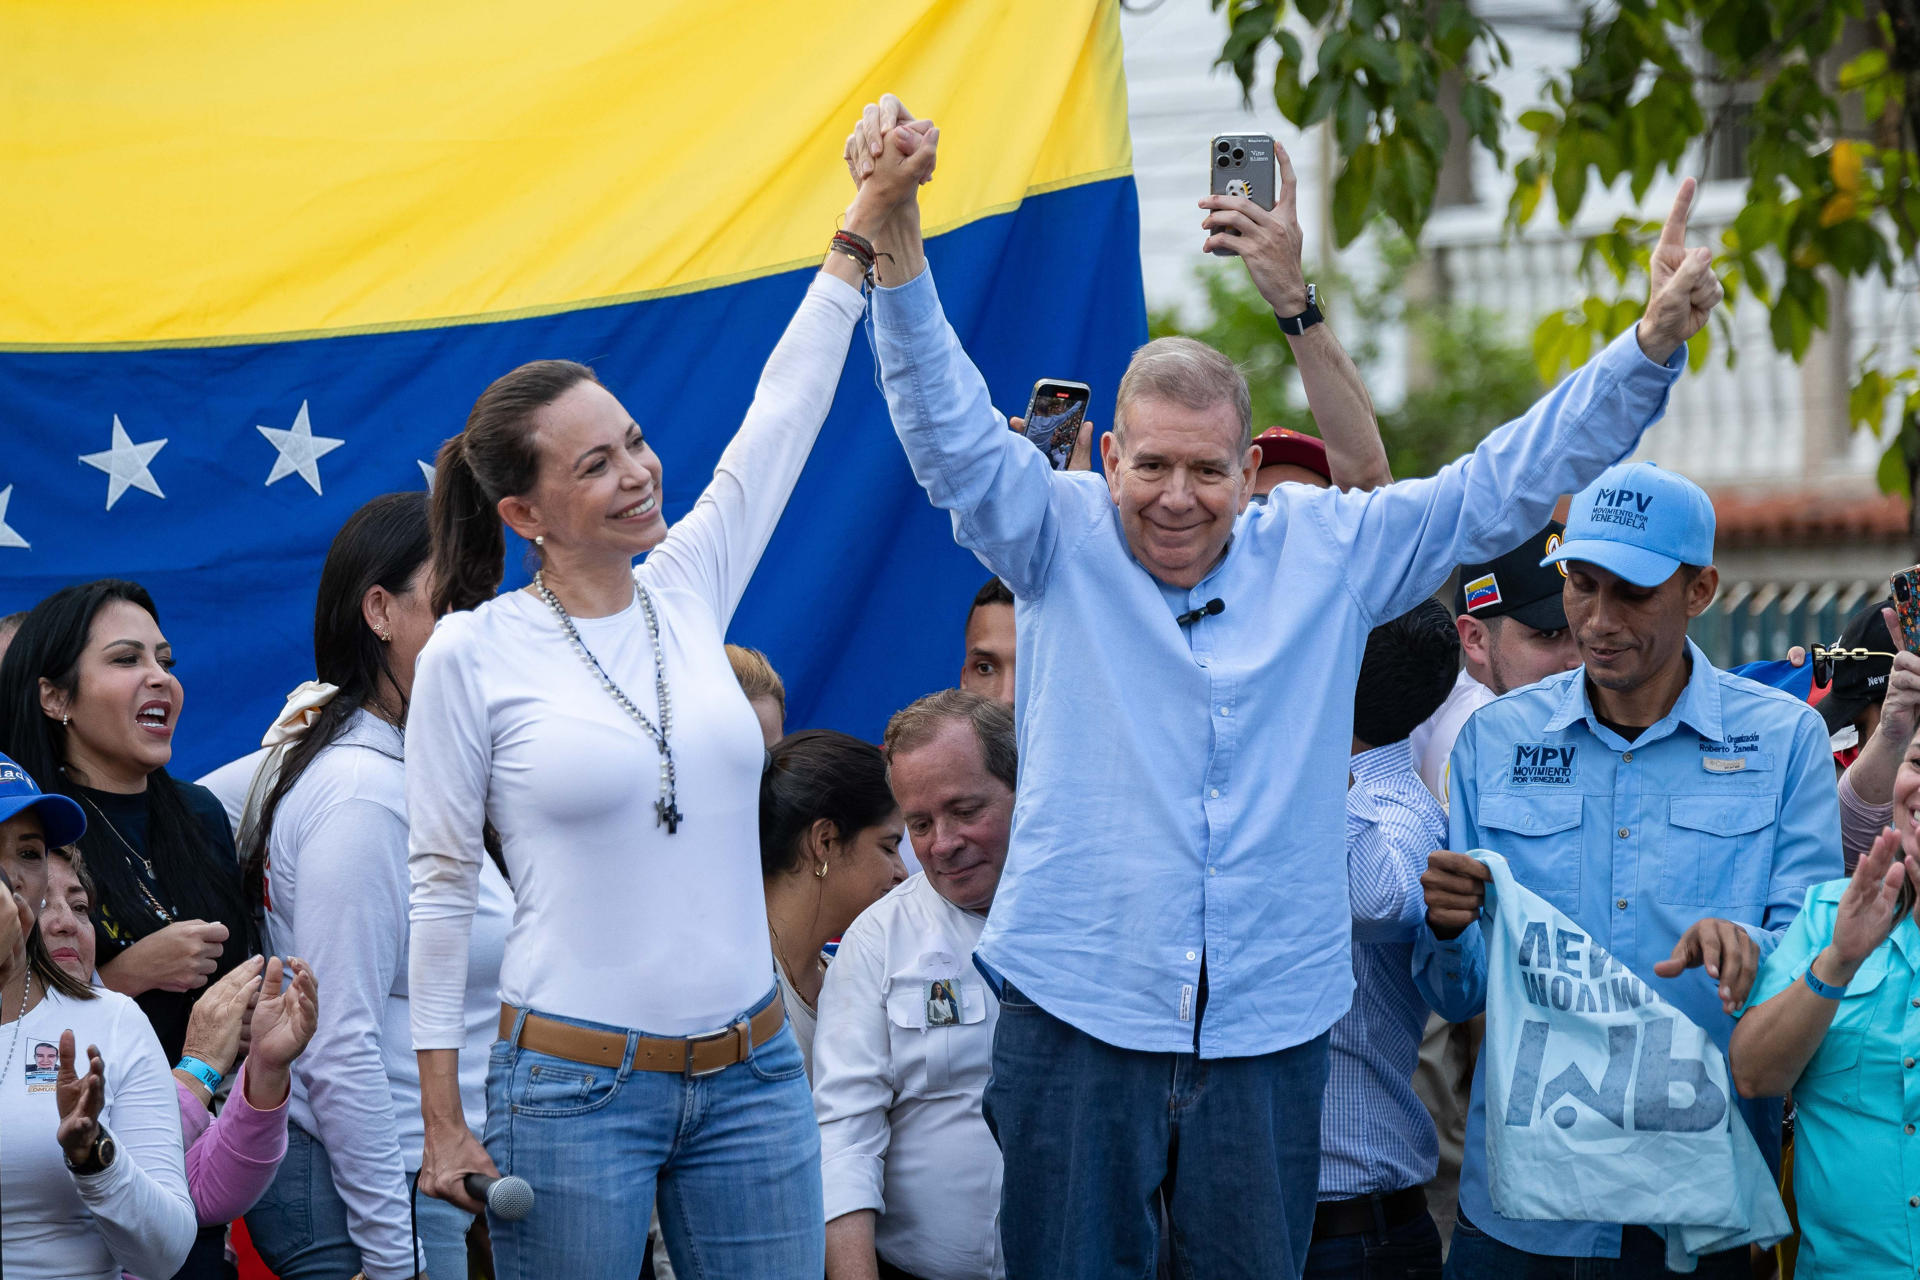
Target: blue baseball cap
<point>1640,522</point>
<point>63,819</point>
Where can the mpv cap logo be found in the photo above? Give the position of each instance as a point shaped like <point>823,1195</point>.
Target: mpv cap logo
<point>1542,764</point>
<point>1483,593</point>
<point>1621,507</point>
<point>1553,545</point>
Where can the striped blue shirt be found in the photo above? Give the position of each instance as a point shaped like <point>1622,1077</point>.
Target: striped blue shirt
<point>1375,1134</point>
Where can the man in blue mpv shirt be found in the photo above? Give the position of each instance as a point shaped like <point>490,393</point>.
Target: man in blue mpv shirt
<point>1676,812</point>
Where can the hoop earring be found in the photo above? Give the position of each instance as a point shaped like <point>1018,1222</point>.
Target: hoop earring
<point>821,874</point>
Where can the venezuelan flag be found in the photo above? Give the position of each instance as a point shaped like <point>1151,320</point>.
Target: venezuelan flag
<point>260,259</point>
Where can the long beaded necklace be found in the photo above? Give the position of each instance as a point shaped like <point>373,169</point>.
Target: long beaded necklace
<point>166,916</point>
<point>18,1023</point>
<point>666,812</point>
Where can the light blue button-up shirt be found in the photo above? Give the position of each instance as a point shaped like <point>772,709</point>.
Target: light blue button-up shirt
<point>1182,789</point>
<point>1724,809</point>
<point>1856,1156</point>
<point>1375,1133</point>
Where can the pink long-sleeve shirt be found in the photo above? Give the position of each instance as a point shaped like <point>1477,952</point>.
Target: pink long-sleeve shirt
<point>231,1159</point>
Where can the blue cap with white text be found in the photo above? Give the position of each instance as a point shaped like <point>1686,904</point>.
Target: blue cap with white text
<point>60,818</point>
<point>1640,522</point>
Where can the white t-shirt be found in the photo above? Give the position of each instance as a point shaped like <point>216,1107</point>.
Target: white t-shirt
<point>615,920</point>
<point>134,1215</point>
<point>337,897</point>
<point>1432,740</point>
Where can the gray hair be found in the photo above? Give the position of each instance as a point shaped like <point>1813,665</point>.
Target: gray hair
<point>1185,372</point>
<point>917,724</point>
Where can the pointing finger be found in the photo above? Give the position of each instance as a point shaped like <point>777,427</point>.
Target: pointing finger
<point>1286,205</point>
<point>1675,232</point>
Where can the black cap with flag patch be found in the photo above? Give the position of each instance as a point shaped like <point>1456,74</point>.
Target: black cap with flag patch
<point>1516,585</point>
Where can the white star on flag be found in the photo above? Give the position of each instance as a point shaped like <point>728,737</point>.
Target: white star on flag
<point>426,469</point>
<point>126,464</point>
<point>8,538</point>
<point>300,450</point>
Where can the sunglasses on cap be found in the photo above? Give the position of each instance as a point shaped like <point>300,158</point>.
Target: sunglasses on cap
<point>1825,656</point>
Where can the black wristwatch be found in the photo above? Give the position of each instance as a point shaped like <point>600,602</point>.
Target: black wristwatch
<point>1297,325</point>
<point>98,1157</point>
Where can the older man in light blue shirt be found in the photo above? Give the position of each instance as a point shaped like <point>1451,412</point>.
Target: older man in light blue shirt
<point>1173,926</point>
<point>1676,812</point>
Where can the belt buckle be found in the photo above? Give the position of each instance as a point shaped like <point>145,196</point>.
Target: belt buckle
<point>722,1034</point>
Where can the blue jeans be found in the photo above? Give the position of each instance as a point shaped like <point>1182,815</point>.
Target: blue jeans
<point>1091,1134</point>
<point>733,1157</point>
<point>299,1227</point>
<point>1410,1251</point>
<point>1475,1255</point>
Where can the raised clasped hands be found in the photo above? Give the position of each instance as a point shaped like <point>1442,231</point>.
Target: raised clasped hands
<point>1684,289</point>
<point>891,153</point>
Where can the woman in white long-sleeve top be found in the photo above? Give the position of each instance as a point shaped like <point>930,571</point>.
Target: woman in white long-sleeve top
<point>325,852</point>
<point>92,1162</point>
<point>594,721</point>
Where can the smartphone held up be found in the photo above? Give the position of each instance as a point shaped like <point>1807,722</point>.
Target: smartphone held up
<point>1906,606</point>
<point>1055,417</point>
<point>1242,165</point>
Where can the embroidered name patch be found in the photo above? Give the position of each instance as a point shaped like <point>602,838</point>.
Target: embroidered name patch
<point>1542,764</point>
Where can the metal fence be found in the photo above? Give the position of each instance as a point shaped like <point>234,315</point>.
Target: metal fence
<point>1755,621</point>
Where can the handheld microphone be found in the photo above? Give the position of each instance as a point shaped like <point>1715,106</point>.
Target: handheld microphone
<point>1207,610</point>
<point>508,1199</point>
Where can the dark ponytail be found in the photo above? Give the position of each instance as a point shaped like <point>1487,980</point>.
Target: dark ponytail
<point>817,774</point>
<point>493,458</point>
<point>383,544</point>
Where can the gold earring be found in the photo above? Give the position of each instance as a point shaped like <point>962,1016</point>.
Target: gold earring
<point>821,874</point>
<point>384,637</point>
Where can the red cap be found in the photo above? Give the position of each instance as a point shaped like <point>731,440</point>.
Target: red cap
<point>1279,446</point>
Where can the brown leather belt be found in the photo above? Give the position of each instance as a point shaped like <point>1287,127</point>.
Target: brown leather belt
<point>691,1056</point>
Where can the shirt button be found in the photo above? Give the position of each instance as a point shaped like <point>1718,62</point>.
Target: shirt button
<point>1213,871</point>
<point>1190,955</point>
<point>1626,757</point>
<point>1909,1064</point>
<point>1914,1201</point>
<point>1621,903</point>
<point>1909,1129</point>
<point>1215,793</point>
<point>1623,833</point>
<point>1226,711</point>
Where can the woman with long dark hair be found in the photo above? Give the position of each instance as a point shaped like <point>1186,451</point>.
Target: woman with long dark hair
<point>325,854</point>
<point>89,705</point>
<point>594,720</point>
<point>829,848</point>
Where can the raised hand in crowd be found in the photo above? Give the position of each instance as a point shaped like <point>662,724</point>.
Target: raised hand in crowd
<point>219,1017</point>
<point>1728,951</point>
<point>180,957</point>
<point>1870,906</point>
<point>1684,289</point>
<point>1455,885</point>
<point>1871,773</point>
<point>1081,459</point>
<point>79,1099</point>
<point>282,1022</point>
<point>1269,241</point>
<point>890,154</point>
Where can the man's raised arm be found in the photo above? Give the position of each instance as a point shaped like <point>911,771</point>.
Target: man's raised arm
<point>1269,241</point>
<point>997,487</point>
<point>1403,540</point>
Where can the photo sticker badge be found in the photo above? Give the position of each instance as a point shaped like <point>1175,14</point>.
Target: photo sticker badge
<point>943,1002</point>
<point>1538,764</point>
<point>43,1067</point>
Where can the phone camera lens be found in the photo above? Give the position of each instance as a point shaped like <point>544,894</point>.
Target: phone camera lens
<point>1222,145</point>
<point>1223,162</point>
<point>1238,155</point>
